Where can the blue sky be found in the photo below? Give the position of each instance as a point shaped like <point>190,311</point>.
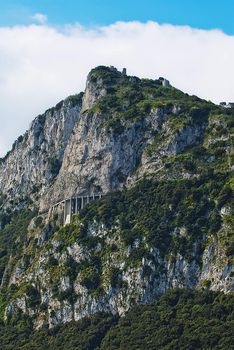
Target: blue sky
<point>205,14</point>
<point>43,63</point>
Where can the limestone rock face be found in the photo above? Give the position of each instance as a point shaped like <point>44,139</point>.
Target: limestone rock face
<point>96,161</point>
<point>70,150</point>
<point>94,91</point>
<point>37,156</point>
<point>143,283</point>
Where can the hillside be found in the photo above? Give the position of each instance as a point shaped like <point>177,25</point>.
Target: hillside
<point>163,161</point>
<point>179,320</point>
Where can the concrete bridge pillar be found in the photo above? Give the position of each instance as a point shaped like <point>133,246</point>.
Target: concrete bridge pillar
<point>74,205</point>
<point>67,211</point>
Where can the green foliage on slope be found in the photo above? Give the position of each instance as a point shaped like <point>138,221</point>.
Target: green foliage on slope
<point>152,212</point>
<point>13,235</point>
<point>130,98</point>
<point>86,334</point>
<point>179,320</point>
<point>177,216</point>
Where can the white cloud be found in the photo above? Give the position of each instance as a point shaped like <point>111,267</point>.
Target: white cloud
<point>40,18</point>
<point>39,65</point>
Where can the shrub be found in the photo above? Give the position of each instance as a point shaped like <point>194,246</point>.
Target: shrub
<point>90,278</point>
<point>54,166</point>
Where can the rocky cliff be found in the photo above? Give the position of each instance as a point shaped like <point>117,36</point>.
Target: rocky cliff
<point>36,157</point>
<point>163,158</point>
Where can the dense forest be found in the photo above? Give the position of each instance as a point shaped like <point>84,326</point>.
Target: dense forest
<point>178,320</point>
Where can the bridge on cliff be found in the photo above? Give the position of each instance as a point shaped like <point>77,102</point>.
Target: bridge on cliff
<point>74,205</point>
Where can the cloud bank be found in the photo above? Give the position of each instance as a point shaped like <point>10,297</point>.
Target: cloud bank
<point>40,64</point>
<point>40,18</point>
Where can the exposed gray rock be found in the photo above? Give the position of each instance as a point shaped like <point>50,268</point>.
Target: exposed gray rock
<point>140,284</point>
<point>35,159</point>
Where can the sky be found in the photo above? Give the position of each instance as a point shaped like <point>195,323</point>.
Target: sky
<point>48,47</point>
<point>206,14</point>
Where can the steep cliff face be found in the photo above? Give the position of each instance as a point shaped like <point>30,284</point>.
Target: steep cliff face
<point>99,142</point>
<point>110,145</point>
<point>165,162</point>
<point>36,157</point>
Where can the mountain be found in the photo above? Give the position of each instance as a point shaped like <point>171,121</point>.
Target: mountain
<point>163,162</point>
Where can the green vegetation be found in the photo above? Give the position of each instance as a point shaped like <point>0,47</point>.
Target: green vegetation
<point>179,320</point>
<point>75,99</point>
<point>178,122</point>
<point>211,154</point>
<point>76,232</point>
<point>54,166</point>
<point>86,334</point>
<point>90,278</point>
<point>130,98</point>
<point>167,215</point>
<point>33,296</point>
<point>152,212</point>
<point>13,235</point>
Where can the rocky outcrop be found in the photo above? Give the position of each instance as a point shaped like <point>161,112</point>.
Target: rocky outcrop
<point>71,150</point>
<point>36,157</point>
<point>97,160</point>
<point>152,276</point>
